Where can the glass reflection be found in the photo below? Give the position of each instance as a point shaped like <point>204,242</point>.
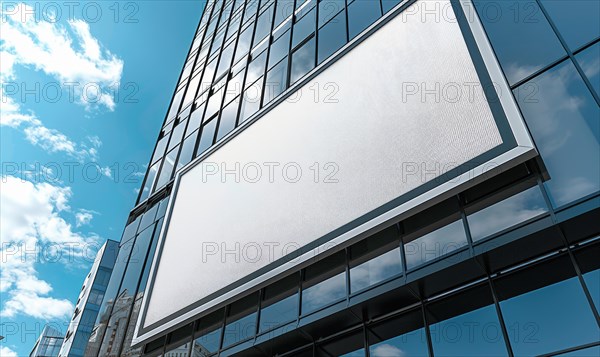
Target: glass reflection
<point>563,117</point>
<point>324,293</point>
<point>328,9</point>
<point>207,136</point>
<point>577,20</point>
<point>332,37</point>
<point>276,81</point>
<point>537,321</point>
<point>149,183</point>
<point>228,119</point>
<point>179,351</point>
<point>586,352</point>
<point>589,60</point>
<point>187,150</point>
<point>412,344</point>
<point>361,14</point>
<point>167,169</point>
<point>375,270</point>
<point>435,244</point>
<point>278,313</point>
<point>477,333</point>
<point>592,280</point>
<point>251,100</point>
<point>240,329</point>
<point>207,344</point>
<point>521,36</point>
<point>303,60</point>
<point>303,28</point>
<point>507,213</point>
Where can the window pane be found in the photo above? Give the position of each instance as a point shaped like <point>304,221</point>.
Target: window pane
<point>175,104</point>
<point>537,321</point>
<point>507,213</point>
<point>195,120</point>
<point>208,335</point>
<point>324,284</point>
<point>177,135</point>
<point>225,61</point>
<point>276,81</point>
<point>349,345</point>
<point>251,8</point>
<point>361,14</point>
<point>589,60</point>
<point>216,100</point>
<point>179,351</point>
<point>191,91</point>
<point>521,36</point>
<point>303,60</point>
<point>148,184</point>
<point>160,148</point>
<point>166,171</point>
<point>243,45</point>
<point>208,75</point>
<point>279,49</point>
<point>136,262</point>
<point>251,100</point>
<point>577,20</point>
<point>389,4</point>
<point>466,324</point>
<point>586,352</point>
<point>228,119</point>
<point>592,280</point>
<point>435,244</point>
<point>332,36</point>
<point>217,42</point>
<point>400,336</point>
<point>324,293</point>
<point>285,8</point>
<point>304,28</point>
<point>375,259</point>
<point>241,320</point>
<point>328,9</point>
<point>207,136</point>
<point>280,303</point>
<point>263,25</point>
<point>563,119</point>
<point>148,264</point>
<point>187,150</point>
<point>256,69</point>
<point>375,270</point>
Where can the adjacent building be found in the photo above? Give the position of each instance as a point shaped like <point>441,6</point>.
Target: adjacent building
<point>89,301</point>
<point>48,344</point>
<point>370,178</point>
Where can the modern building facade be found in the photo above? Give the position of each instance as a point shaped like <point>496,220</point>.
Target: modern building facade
<point>397,242</point>
<point>48,344</point>
<point>89,301</point>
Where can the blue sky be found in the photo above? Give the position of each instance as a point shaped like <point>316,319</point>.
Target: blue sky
<point>85,87</point>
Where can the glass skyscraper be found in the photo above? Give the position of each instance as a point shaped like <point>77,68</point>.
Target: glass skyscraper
<point>505,267</point>
<point>48,344</point>
<point>89,300</point>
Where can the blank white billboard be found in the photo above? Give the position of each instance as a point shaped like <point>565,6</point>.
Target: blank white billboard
<point>390,121</point>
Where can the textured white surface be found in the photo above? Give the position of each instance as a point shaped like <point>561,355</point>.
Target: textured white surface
<point>369,134</point>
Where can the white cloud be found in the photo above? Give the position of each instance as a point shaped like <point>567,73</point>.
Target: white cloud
<point>83,217</point>
<point>50,140</point>
<point>33,232</point>
<point>68,53</point>
<point>387,350</point>
<point>7,352</point>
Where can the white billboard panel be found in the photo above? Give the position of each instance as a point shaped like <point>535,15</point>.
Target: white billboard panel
<point>397,124</point>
